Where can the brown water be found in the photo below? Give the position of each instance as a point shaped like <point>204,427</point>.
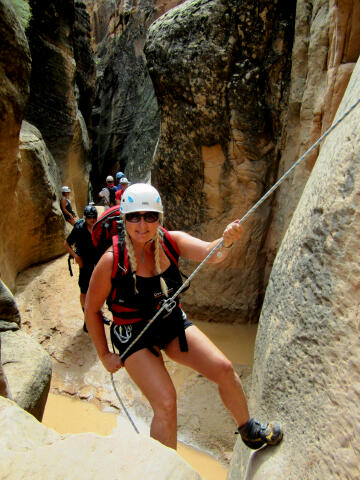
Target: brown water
<point>66,415</point>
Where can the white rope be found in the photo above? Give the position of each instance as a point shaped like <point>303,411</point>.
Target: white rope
<point>170,303</point>
<point>122,404</point>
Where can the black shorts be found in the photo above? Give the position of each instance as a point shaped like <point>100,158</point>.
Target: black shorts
<point>159,334</point>
<point>84,278</point>
<point>67,217</point>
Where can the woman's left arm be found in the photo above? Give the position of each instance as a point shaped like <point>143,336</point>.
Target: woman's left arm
<point>195,249</point>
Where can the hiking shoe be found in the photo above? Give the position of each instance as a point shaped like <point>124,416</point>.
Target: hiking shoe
<point>255,435</point>
<point>85,328</point>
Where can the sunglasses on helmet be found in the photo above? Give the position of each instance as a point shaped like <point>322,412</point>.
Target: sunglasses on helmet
<point>149,217</point>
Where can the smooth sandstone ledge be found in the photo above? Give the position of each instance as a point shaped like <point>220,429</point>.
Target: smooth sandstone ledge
<point>29,450</point>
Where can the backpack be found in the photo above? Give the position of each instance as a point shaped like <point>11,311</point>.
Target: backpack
<point>107,226</point>
<point>112,192</point>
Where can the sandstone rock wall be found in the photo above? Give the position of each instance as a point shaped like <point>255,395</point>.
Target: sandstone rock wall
<point>221,75</point>
<point>54,153</point>
<point>326,48</point>
<point>61,82</point>
<point>307,348</point>
<point>125,115</point>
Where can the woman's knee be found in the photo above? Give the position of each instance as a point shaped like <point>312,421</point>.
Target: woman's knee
<point>224,371</point>
<point>165,404</point>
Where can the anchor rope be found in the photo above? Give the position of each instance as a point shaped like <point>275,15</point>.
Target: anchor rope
<point>169,304</point>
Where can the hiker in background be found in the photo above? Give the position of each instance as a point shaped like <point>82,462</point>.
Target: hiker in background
<point>65,205</point>
<point>84,253</point>
<point>124,182</point>
<point>108,192</point>
<point>118,177</point>
<point>136,276</point>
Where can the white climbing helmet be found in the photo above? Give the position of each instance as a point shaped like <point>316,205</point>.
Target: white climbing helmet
<point>141,197</point>
<point>109,178</point>
<point>124,180</point>
<point>65,189</point>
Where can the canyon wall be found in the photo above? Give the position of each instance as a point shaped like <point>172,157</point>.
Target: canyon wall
<point>45,78</point>
<point>125,118</point>
<point>306,363</point>
<point>234,118</point>
<point>221,72</point>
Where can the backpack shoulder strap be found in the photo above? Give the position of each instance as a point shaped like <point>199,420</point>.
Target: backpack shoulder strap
<point>121,260</point>
<point>170,246</point>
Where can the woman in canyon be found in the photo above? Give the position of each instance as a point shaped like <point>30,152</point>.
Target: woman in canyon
<point>137,275</point>
<point>66,207</point>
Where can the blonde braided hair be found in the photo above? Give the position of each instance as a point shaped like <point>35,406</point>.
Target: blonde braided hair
<point>157,250</point>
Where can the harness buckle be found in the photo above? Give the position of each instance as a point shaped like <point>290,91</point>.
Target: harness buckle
<point>169,304</point>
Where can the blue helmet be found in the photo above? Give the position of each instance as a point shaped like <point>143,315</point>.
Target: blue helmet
<point>119,175</point>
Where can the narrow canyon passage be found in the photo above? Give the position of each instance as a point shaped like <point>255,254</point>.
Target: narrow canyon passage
<point>82,397</point>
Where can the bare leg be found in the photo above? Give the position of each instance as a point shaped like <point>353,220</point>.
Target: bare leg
<point>204,357</point>
<point>151,376</point>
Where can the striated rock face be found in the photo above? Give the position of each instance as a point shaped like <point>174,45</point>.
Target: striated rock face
<point>52,106</point>
<point>14,90</point>
<point>125,116</point>
<point>326,48</point>
<point>84,57</point>
<point>30,450</point>
<point>307,348</point>
<point>221,72</point>
<point>25,367</point>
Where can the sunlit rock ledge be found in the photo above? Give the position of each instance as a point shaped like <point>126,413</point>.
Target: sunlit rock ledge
<point>30,450</point>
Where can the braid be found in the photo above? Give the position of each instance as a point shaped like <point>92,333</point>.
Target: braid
<point>163,285</point>
<point>132,257</point>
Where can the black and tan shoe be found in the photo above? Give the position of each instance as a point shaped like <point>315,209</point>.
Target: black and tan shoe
<point>255,435</point>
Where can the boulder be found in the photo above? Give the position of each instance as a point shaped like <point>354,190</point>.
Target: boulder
<point>307,354</point>
<point>25,367</point>
<point>30,450</point>
<point>9,312</point>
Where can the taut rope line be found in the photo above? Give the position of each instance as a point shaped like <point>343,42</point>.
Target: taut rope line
<point>169,304</point>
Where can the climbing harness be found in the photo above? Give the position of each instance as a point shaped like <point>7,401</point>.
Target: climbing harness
<point>170,303</point>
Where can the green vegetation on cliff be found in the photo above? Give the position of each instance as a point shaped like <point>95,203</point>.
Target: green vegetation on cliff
<point>22,10</point>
